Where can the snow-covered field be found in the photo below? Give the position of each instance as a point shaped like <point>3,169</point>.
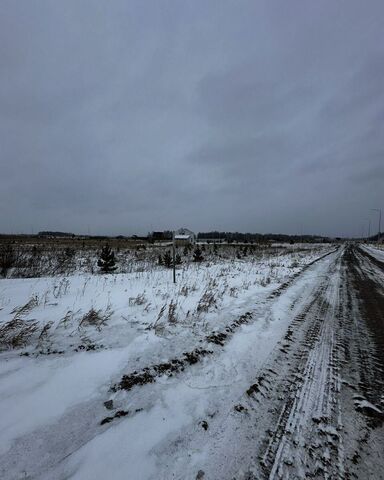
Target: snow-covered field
<point>67,343</point>
<point>64,314</point>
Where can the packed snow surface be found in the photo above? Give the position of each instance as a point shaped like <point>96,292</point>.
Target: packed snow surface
<point>68,340</point>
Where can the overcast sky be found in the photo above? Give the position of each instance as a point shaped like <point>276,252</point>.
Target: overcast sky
<point>121,117</point>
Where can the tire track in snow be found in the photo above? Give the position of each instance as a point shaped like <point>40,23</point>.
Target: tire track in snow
<point>325,403</point>
<point>305,439</point>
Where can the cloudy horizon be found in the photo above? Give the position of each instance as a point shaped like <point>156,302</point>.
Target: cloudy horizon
<point>127,117</point>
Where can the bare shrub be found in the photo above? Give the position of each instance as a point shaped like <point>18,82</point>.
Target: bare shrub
<point>147,308</point>
<point>25,309</point>
<point>44,331</point>
<point>17,332</point>
<point>172,318</point>
<point>233,292</point>
<point>68,318</point>
<point>161,313</point>
<point>44,334</point>
<point>206,301</point>
<point>65,261</point>
<point>265,281</point>
<point>61,289</point>
<point>245,285</point>
<point>184,291</point>
<point>96,318</point>
<point>139,300</point>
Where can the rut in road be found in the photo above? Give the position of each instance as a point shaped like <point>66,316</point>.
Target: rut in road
<point>305,439</point>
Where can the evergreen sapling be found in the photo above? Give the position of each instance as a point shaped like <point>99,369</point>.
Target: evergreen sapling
<point>107,261</point>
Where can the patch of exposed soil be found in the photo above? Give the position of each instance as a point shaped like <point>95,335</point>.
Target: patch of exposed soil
<point>149,374</point>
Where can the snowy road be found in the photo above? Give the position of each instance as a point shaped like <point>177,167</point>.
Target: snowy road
<point>291,389</point>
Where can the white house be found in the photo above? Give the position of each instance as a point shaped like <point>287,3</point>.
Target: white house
<point>183,236</point>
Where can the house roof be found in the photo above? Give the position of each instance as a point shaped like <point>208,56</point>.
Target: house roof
<point>184,231</point>
<point>182,237</point>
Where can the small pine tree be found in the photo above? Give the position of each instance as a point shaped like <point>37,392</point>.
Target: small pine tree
<point>167,259</point>
<point>177,259</point>
<point>197,255</point>
<point>186,250</point>
<point>160,260</point>
<point>107,261</point>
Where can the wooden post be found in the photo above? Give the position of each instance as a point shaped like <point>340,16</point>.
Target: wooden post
<point>174,257</point>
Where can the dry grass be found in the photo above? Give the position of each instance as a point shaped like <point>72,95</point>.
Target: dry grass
<point>139,300</point>
<point>172,318</point>
<point>17,332</point>
<point>207,301</point>
<point>25,309</point>
<point>96,318</point>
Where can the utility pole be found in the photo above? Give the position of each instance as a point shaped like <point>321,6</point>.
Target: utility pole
<point>378,233</point>
<point>174,257</point>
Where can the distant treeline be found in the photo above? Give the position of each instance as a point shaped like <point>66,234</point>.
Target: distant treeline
<point>93,237</point>
<point>55,234</point>
<point>213,236</point>
<point>373,238</point>
<point>258,237</point>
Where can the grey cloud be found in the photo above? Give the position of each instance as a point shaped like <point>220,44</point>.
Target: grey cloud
<point>372,175</point>
<point>127,116</point>
<point>243,99</point>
